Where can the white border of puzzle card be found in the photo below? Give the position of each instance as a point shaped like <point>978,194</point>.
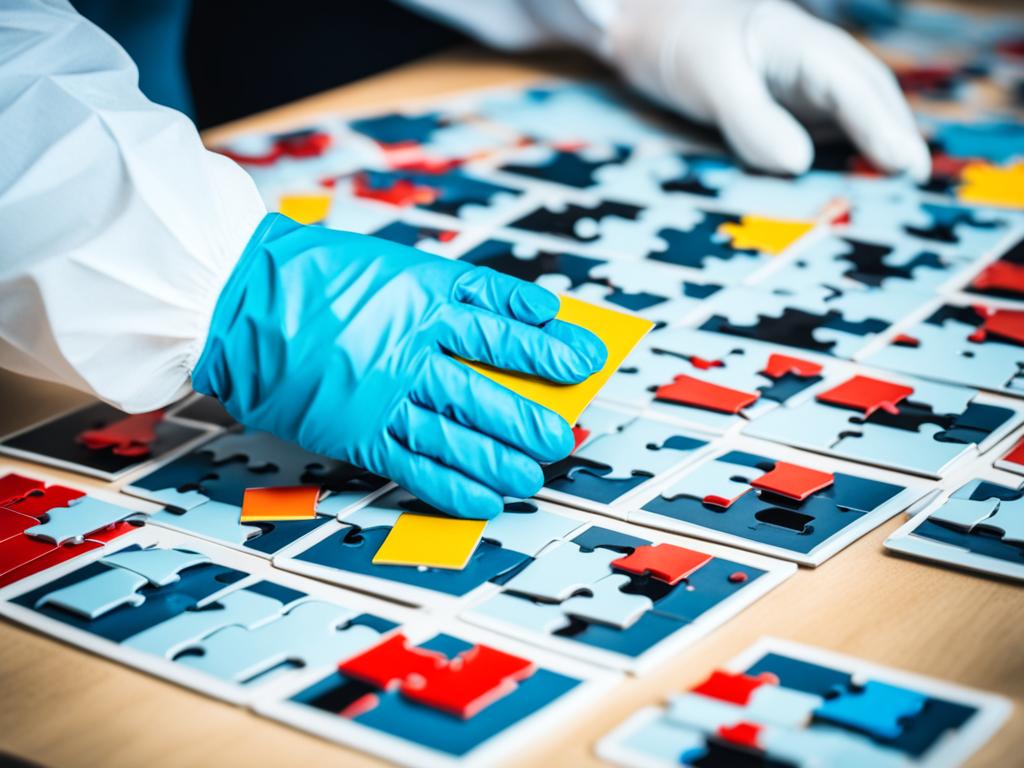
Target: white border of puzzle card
<point>992,710</point>
<point>201,432</point>
<point>915,491</point>
<point>606,423</point>
<point>504,747</point>
<point>258,571</point>
<point>778,425</point>
<point>774,573</point>
<point>368,515</point>
<point>907,541</point>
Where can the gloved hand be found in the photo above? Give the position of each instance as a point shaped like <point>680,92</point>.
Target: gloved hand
<point>756,68</point>
<point>338,341</point>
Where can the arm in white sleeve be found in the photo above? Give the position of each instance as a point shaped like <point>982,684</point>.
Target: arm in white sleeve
<point>119,228</point>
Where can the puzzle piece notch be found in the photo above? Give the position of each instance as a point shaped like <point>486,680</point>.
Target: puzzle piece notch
<point>131,436</point>
<point>669,563</point>
<point>463,686</point>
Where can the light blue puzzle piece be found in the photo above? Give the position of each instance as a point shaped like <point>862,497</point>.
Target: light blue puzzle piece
<point>308,635</point>
<point>98,595</point>
<point>943,398</point>
<point>713,478</point>
<point>965,513</point>
<point>967,489</point>
<point>380,513</point>
<point>160,567</point>
<point>897,448</point>
<point>213,520</point>
<point>608,604</point>
<point>820,746</point>
<point>82,516</point>
<point>704,713</point>
<point>876,709</point>
<point>240,608</point>
<point>783,707</point>
<point>1009,519</point>
<point>529,532</point>
<point>599,420</point>
<point>536,617</point>
<point>663,740</point>
<point>636,449</point>
<point>561,571</point>
<point>171,497</point>
<point>807,425</point>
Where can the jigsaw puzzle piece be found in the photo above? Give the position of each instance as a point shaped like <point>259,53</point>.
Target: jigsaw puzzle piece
<point>543,618</point>
<point>921,451</point>
<point>431,541</point>
<point>874,708</point>
<point>159,567</point>
<point>14,487</point>
<point>641,446</point>
<point>561,571</point>
<point>81,517</point>
<point>668,563</point>
<point>311,634</point>
<point>131,436</point>
<point>836,749</point>
<point>28,497</point>
<point>1009,520</point>
<point>717,483</point>
<point>528,531</point>
<point>98,595</point>
<point>965,513</point>
<point>608,604</point>
<point>210,520</point>
<point>242,608</point>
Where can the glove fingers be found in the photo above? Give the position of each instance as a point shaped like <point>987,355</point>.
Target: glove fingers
<point>440,486</point>
<point>460,393</point>
<point>508,296</point>
<point>567,355</point>
<point>758,128</point>
<point>491,463</point>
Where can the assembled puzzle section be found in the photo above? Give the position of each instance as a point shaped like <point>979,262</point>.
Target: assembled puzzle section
<point>348,552</point>
<point>43,524</point>
<point>712,382</point>
<point>783,704</point>
<point>103,442</point>
<point>780,504</point>
<point>896,422</point>
<point>624,598</point>
<point>205,492</point>
<point>457,697</point>
<point>195,613</point>
<point>1002,278</point>
<point>617,454</point>
<point>976,345</point>
<point>979,527</point>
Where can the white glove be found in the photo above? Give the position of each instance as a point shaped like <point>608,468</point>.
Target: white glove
<point>756,68</point>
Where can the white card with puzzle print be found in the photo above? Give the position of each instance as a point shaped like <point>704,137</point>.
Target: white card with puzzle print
<point>198,614</point>
<point>204,490</point>
<point>892,420</point>
<point>618,453</point>
<point>100,441</point>
<point>343,552</point>
<point>792,704</point>
<point>776,500</point>
<point>45,520</point>
<point>977,524</point>
<point>516,695</point>
<point>625,597</point>
<point>713,382</point>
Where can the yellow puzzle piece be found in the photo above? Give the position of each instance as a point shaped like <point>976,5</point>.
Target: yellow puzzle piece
<point>619,332</point>
<point>305,208</point>
<point>992,185</point>
<point>434,541</point>
<point>760,233</point>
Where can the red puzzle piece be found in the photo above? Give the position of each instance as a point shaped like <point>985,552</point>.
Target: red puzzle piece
<point>743,733</point>
<point>131,436</point>
<point>906,340</point>
<point>1007,324</point>
<point>21,556</point>
<point>779,365</point>
<point>793,481</point>
<point>686,390</point>
<point>1000,276</point>
<point>402,193</point>
<point>734,688</point>
<point>862,393</point>
<point>703,364</point>
<point>42,500</point>
<point>722,501</point>
<point>13,524</point>
<point>1016,454</point>
<point>13,487</point>
<point>462,686</point>
<point>311,144</point>
<point>665,562</point>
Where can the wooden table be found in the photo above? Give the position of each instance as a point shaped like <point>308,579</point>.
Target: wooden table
<point>65,707</point>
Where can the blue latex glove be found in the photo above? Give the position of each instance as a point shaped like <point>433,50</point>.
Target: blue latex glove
<point>339,342</point>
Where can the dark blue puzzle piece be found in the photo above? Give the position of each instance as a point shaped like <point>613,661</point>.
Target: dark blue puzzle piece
<point>690,248</point>
<point>708,586</point>
<point>395,128</point>
<point>978,540</point>
<point>563,223</point>
<point>410,234</point>
<point>352,550</point>
<point>276,536</point>
<point>454,188</point>
<point>795,327</point>
<point>944,219</point>
<point>646,632</point>
<point>499,255</point>
<point>569,168</point>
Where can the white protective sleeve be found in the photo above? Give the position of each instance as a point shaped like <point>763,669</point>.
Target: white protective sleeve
<point>119,228</point>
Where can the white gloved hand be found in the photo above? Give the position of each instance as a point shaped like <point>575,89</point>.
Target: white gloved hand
<point>757,69</point>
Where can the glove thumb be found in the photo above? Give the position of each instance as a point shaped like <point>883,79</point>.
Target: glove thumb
<point>759,129</point>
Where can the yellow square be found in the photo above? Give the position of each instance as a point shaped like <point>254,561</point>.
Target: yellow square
<point>430,540</point>
<point>619,332</point>
<point>305,208</point>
